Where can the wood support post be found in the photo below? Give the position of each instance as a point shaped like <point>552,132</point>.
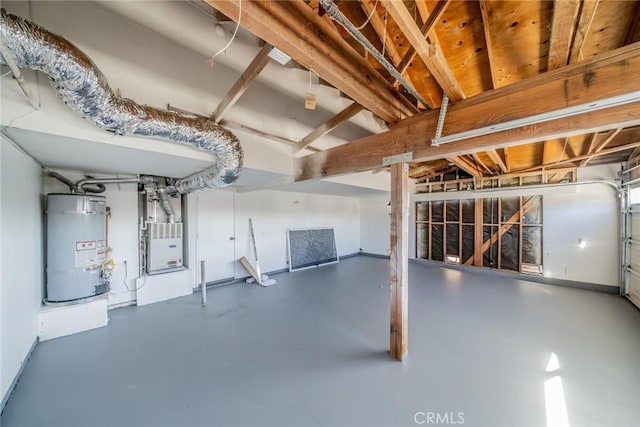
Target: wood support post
<point>477,238</point>
<point>399,260</point>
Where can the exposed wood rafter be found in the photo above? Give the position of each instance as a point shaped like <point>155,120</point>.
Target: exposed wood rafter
<point>429,24</point>
<point>465,165</point>
<point>295,28</point>
<point>328,126</point>
<point>610,74</point>
<point>587,13</point>
<point>565,17</point>
<point>430,53</point>
<point>497,159</point>
<point>242,84</point>
<point>633,32</point>
<point>603,152</point>
<point>478,161</point>
<point>486,12</point>
<point>599,144</point>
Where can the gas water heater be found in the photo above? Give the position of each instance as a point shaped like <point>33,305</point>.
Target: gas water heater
<point>76,246</point>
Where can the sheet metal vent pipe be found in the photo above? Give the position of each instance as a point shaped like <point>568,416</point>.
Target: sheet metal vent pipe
<point>82,86</point>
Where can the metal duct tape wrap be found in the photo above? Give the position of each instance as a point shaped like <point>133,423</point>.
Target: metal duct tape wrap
<point>84,88</point>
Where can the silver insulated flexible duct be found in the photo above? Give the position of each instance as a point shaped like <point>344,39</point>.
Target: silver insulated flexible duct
<point>84,88</point>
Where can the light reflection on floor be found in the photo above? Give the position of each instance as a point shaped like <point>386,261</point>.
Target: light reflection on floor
<point>555,404</point>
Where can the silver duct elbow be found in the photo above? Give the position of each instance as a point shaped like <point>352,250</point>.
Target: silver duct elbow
<point>165,203</point>
<point>81,85</point>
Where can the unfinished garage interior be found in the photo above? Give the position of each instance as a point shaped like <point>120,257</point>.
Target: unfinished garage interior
<point>320,213</point>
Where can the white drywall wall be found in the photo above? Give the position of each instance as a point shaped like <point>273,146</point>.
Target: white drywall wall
<point>591,214</point>
<point>375,225</point>
<point>272,212</point>
<point>21,272</point>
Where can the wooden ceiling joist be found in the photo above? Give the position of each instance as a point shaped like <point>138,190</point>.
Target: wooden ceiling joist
<point>485,12</point>
<point>295,29</point>
<point>507,160</point>
<point>435,15</point>
<point>380,28</point>
<point>565,17</point>
<point>378,24</point>
<point>587,13</point>
<point>429,168</point>
<point>430,53</point>
<point>328,126</point>
<point>599,144</point>
<point>478,161</point>
<point>633,32</point>
<point>604,152</point>
<point>497,159</point>
<point>610,74</point>
<point>242,84</point>
<point>465,165</point>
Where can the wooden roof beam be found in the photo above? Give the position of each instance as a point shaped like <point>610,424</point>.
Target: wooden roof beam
<point>328,126</point>
<point>587,13</point>
<point>604,152</point>
<point>497,159</point>
<point>488,38</point>
<point>546,152</point>
<point>633,32</point>
<point>610,74</point>
<point>478,161</point>
<point>430,53</point>
<point>248,76</point>
<point>465,165</point>
<point>507,160</point>
<point>294,28</point>
<point>379,26</point>
<point>428,168</point>
<point>429,24</point>
<point>565,18</point>
<point>599,146</point>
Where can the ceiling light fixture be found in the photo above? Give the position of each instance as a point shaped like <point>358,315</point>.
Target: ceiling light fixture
<point>614,101</point>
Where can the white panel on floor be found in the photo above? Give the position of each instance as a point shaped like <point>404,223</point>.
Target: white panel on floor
<point>59,321</point>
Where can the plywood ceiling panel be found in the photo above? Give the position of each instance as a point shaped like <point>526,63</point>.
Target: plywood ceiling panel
<point>609,27</point>
<point>462,41</point>
<point>519,37</point>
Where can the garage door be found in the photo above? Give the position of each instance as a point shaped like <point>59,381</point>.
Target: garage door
<point>632,277</point>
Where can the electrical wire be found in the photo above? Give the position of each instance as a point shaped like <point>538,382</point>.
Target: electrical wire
<point>212,59</point>
<point>124,281</point>
<point>370,16</point>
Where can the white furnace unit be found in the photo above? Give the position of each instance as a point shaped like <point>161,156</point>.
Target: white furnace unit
<point>165,247</point>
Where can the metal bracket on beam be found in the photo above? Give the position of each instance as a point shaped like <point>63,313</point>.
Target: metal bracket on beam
<point>17,74</point>
<point>601,104</point>
<point>443,112</point>
<point>398,158</point>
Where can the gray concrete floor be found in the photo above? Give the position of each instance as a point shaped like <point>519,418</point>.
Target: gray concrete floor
<point>312,351</point>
